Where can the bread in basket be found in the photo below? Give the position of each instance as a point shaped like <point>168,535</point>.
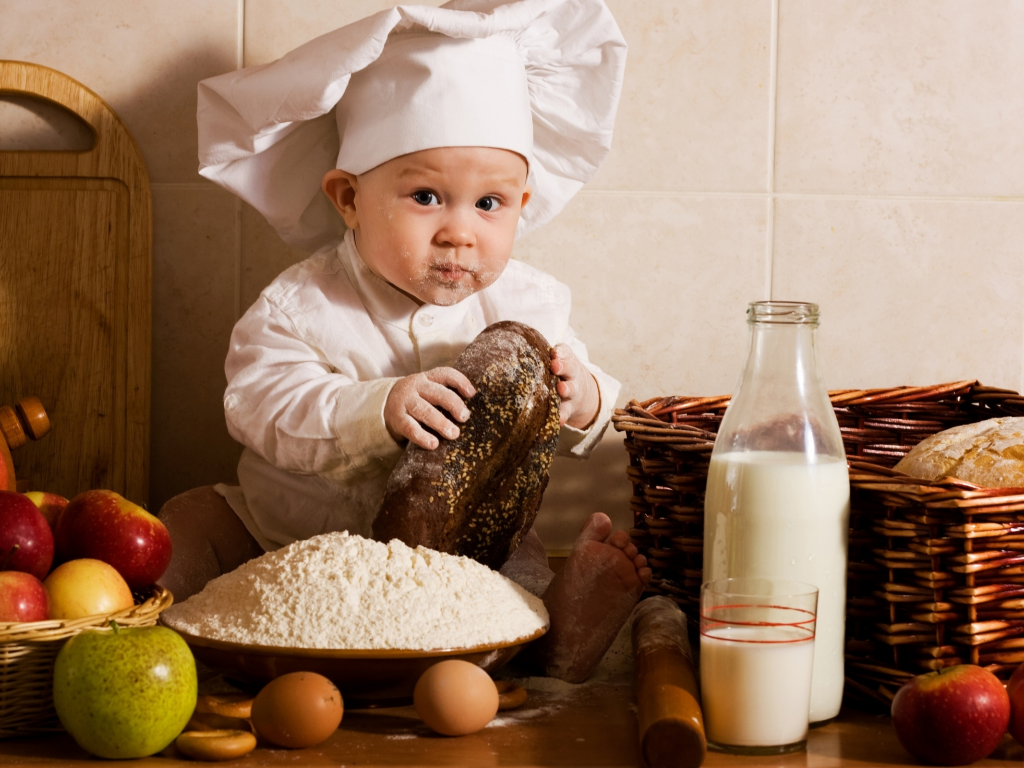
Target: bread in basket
<point>936,569</point>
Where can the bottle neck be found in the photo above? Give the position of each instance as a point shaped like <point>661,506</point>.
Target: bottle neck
<point>782,363</point>
<point>781,403</point>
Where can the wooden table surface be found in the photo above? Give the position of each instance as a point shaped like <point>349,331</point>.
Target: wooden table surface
<point>591,725</point>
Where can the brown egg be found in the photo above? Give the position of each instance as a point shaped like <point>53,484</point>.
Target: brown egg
<point>455,698</point>
<point>297,710</point>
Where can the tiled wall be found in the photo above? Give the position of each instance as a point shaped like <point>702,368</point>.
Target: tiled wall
<point>864,154</point>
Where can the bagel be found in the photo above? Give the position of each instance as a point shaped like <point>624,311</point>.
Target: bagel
<point>510,695</point>
<point>215,745</point>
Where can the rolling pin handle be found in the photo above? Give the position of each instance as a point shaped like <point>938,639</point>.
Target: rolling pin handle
<point>671,725</point>
<point>33,416</point>
<point>11,429</point>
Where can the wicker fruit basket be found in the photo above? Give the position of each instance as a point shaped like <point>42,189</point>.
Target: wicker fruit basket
<point>27,654</point>
<point>936,570</point>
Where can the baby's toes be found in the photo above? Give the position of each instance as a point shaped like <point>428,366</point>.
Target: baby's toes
<point>619,539</point>
<point>630,550</point>
<point>639,561</point>
<point>644,574</point>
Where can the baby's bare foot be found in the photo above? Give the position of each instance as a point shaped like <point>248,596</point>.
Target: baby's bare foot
<point>591,598</point>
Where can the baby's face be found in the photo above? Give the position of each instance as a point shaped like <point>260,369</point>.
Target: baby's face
<point>439,224</point>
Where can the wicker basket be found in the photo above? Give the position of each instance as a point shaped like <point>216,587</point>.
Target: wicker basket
<point>27,654</point>
<point>936,570</point>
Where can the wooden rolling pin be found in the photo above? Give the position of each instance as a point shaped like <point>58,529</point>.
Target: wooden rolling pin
<point>668,702</point>
<point>26,419</point>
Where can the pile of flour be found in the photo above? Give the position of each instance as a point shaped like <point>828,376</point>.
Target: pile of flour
<point>341,591</point>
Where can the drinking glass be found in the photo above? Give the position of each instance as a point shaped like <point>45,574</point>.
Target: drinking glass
<point>756,659</point>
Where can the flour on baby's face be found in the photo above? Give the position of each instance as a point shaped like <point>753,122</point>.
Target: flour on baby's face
<point>439,224</point>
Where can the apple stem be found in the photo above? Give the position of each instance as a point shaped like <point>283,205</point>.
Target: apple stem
<point>114,627</point>
<point>7,557</point>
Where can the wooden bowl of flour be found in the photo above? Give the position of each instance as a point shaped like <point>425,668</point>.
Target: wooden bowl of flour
<point>364,677</point>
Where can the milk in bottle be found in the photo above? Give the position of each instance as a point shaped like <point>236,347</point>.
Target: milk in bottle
<point>778,495</point>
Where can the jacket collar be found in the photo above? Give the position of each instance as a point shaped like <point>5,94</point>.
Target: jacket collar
<point>386,302</point>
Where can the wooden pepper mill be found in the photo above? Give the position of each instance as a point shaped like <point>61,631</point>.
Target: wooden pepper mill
<point>25,420</point>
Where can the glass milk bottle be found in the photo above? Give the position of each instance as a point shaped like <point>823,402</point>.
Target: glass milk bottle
<point>778,493</point>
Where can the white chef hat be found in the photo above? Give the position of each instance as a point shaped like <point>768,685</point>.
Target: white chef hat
<point>539,77</point>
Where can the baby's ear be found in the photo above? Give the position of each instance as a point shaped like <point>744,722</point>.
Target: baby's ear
<point>527,194</point>
<point>340,187</point>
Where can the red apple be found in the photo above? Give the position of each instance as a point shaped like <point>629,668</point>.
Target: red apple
<point>26,542</point>
<point>22,597</point>
<point>105,526</point>
<point>951,717</point>
<point>50,505</point>
<point>86,587</point>
<point>1015,690</point>
<point>8,482</point>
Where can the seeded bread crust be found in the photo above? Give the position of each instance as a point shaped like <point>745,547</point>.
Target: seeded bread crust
<point>478,495</point>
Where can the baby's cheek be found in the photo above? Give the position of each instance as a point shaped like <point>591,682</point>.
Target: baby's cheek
<point>486,277</point>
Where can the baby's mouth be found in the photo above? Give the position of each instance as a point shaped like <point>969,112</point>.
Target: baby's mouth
<point>450,272</point>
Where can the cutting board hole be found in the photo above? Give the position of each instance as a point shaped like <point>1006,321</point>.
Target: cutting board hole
<point>29,124</point>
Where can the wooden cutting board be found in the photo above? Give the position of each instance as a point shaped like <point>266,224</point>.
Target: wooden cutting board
<point>75,274</point>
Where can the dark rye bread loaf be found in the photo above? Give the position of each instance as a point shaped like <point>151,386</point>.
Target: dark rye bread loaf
<point>478,495</point>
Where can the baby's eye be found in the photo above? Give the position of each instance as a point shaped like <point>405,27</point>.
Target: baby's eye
<point>425,197</point>
<point>489,204</point>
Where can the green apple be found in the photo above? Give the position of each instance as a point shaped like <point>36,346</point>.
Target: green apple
<point>127,692</point>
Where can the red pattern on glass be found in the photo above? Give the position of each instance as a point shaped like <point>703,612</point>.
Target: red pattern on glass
<point>799,625</point>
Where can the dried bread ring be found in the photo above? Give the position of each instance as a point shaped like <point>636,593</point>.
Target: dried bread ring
<point>510,695</point>
<point>215,745</point>
<point>226,704</point>
<point>209,722</point>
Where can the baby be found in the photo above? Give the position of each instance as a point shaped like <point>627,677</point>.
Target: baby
<point>438,151</point>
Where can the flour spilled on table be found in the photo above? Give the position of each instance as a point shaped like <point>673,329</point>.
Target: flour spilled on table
<point>616,667</point>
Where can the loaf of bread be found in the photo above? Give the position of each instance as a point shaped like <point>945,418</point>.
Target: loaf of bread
<point>478,495</point>
<point>988,453</point>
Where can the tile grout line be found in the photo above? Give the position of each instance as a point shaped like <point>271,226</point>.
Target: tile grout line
<point>713,194</point>
<point>239,62</point>
<point>240,36</point>
<point>716,194</point>
<point>773,87</point>
<point>238,259</point>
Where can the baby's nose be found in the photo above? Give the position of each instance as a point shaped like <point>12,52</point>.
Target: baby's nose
<point>456,231</point>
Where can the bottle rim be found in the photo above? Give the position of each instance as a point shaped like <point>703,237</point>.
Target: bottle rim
<point>783,313</point>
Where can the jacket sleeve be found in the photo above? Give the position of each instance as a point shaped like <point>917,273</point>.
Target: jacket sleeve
<point>578,443</point>
<point>542,302</point>
<point>289,405</point>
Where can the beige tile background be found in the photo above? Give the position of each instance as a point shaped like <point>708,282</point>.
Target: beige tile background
<point>864,154</point>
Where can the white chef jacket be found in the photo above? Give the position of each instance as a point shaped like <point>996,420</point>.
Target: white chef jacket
<point>311,364</point>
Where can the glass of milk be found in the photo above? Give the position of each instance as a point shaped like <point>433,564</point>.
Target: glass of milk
<point>756,661</point>
<point>777,503</point>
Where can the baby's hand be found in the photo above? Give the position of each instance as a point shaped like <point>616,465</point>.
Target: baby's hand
<point>577,388</point>
<point>411,406</point>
